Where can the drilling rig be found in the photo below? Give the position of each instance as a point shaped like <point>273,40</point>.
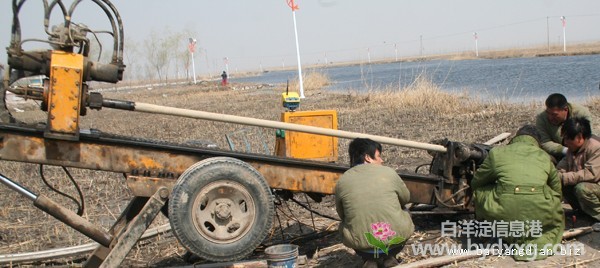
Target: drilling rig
<point>219,203</point>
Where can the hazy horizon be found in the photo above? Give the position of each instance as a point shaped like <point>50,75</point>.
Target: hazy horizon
<point>252,35</point>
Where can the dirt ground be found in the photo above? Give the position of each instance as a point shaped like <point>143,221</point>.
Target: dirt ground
<point>24,228</point>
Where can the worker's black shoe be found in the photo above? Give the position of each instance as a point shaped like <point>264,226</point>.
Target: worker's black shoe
<point>369,264</point>
<point>390,261</point>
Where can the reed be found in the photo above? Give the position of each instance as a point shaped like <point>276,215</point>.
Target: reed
<point>313,80</point>
<point>422,94</point>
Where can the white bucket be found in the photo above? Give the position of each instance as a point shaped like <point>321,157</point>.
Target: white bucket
<point>282,256</point>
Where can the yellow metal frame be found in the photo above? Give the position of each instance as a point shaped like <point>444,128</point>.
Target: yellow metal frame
<point>64,95</point>
<point>309,146</point>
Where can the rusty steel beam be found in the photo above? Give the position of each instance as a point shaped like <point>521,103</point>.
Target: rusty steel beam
<point>136,204</point>
<point>150,165</point>
<point>136,228</point>
<point>72,219</point>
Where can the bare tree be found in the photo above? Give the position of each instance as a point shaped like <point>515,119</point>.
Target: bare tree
<point>132,59</point>
<point>172,41</point>
<point>157,54</point>
<point>167,53</point>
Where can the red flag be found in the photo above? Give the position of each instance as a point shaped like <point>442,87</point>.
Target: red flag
<point>192,45</point>
<point>292,5</point>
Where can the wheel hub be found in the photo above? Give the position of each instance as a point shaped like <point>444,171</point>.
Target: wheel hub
<point>223,210</point>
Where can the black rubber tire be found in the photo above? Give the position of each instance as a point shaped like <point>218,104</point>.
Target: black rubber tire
<point>186,192</point>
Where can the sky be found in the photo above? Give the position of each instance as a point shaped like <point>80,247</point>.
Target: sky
<point>255,35</point>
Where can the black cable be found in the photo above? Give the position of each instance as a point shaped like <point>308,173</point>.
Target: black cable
<point>312,218</point>
<point>292,214</point>
<point>78,191</point>
<point>420,166</point>
<point>313,211</point>
<point>79,206</point>
<point>312,235</point>
<point>280,226</point>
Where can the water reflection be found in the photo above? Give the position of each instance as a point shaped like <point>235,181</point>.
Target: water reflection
<point>514,80</point>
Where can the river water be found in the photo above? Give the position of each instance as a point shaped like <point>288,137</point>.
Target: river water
<point>513,79</point>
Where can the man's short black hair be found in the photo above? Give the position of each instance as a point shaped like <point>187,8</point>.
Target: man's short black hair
<point>556,100</point>
<point>529,130</point>
<point>361,147</point>
<point>574,126</point>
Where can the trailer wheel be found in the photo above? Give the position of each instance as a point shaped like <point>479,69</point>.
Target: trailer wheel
<point>221,209</point>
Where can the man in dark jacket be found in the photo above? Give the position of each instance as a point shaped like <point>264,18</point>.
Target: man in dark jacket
<point>549,122</point>
<point>224,79</point>
<point>519,183</point>
<point>369,198</point>
<point>580,169</point>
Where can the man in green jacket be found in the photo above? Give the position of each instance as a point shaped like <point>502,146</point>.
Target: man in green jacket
<point>369,198</point>
<point>519,183</point>
<point>549,122</point>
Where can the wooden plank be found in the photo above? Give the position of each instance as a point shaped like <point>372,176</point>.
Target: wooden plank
<point>439,261</point>
<point>498,138</point>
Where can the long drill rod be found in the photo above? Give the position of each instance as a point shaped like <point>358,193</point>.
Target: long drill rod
<point>158,109</point>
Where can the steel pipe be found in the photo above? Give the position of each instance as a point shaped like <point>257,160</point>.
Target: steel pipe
<point>18,188</point>
<point>157,109</point>
<point>62,214</point>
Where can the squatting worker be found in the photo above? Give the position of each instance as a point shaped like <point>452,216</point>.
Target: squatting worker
<point>519,183</point>
<point>368,197</point>
<point>580,169</point>
<point>548,123</point>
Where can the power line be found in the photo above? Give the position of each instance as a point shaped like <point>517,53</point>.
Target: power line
<point>422,37</point>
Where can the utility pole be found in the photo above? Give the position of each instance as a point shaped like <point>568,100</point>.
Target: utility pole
<point>192,49</point>
<point>564,24</point>
<point>421,49</point>
<point>548,32</point>
<point>294,7</point>
<point>226,61</point>
<point>476,47</point>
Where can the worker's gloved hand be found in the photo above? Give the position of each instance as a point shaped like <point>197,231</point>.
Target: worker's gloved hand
<point>564,150</point>
<point>596,227</point>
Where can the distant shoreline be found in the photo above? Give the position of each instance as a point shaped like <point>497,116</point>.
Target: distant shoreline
<point>591,48</point>
<point>579,49</point>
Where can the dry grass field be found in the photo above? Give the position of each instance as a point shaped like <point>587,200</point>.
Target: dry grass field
<point>420,112</point>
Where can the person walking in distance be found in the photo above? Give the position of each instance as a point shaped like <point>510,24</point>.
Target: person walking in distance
<point>224,79</point>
